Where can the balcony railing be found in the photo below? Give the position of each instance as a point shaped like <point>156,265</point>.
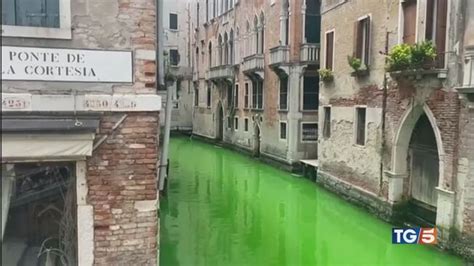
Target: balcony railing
<point>279,55</point>
<point>310,53</point>
<point>253,63</point>
<point>221,72</point>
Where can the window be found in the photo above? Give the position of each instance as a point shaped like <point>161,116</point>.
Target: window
<point>236,123</point>
<point>174,57</point>
<point>309,132</point>
<point>196,97</point>
<point>362,40</point>
<point>214,9</point>
<point>247,96</point>
<point>229,123</point>
<point>311,93</point>
<point>436,20</point>
<point>36,18</point>
<point>283,105</point>
<point>360,125</point>
<point>246,124</point>
<point>282,130</point>
<point>229,96</point>
<point>327,122</point>
<point>207,11</point>
<point>257,94</point>
<point>236,96</point>
<point>31,13</point>
<point>174,21</point>
<point>329,50</point>
<point>313,21</point>
<point>409,21</point>
<point>208,100</point>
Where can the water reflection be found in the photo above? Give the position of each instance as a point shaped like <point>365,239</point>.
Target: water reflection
<point>227,209</point>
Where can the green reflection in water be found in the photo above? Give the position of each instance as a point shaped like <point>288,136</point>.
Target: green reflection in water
<point>227,209</point>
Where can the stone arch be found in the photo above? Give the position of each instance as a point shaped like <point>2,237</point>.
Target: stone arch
<point>403,136</point>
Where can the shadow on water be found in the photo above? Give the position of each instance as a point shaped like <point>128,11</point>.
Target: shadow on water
<point>227,209</point>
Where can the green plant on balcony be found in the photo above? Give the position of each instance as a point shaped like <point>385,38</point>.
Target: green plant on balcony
<point>423,55</point>
<point>356,64</point>
<point>399,58</point>
<point>326,75</point>
<point>412,57</point>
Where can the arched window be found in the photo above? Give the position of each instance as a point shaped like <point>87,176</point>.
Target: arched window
<point>262,33</point>
<point>256,34</point>
<point>247,40</point>
<point>285,23</point>
<point>220,50</point>
<point>210,54</point>
<point>197,57</point>
<point>231,47</point>
<point>226,49</point>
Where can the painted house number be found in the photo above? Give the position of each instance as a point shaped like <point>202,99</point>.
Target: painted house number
<point>15,103</point>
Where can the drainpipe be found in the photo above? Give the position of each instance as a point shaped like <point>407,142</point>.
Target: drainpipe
<point>384,113</point>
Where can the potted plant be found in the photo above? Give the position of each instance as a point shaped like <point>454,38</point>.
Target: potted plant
<point>356,65</point>
<point>326,75</point>
<point>423,55</point>
<point>399,58</point>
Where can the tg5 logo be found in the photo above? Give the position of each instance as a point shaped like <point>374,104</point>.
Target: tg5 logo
<point>427,236</point>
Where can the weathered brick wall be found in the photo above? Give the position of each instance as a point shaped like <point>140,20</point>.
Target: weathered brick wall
<point>121,176</point>
<point>466,170</point>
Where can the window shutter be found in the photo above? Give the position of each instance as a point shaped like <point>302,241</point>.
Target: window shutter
<point>409,22</point>
<point>8,12</point>
<point>367,41</point>
<point>441,21</point>
<point>429,19</point>
<point>329,50</point>
<point>52,13</point>
<point>355,40</point>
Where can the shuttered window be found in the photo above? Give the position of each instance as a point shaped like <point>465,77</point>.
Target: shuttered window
<point>329,50</point>
<point>409,21</point>
<point>436,20</point>
<point>310,92</point>
<point>283,93</point>
<point>208,100</point>
<point>174,20</point>
<point>362,40</point>
<point>282,130</point>
<point>247,96</point>
<point>327,122</point>
<point>174,57</point>
<point>257,94</point>
<point>31,13</point>
<point>236,96</point>
<point>312,21</point>
<point>360,123</point>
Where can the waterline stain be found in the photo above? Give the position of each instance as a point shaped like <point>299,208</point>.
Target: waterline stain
<point>223,208</point>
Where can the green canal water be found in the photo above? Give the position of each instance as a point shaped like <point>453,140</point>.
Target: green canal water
<point>224,208</point>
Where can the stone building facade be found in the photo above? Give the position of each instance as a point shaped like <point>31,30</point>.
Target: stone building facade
<point>177,46</point>
<point>81,119</point>
<point>255,76</point>
<point>398,142</point>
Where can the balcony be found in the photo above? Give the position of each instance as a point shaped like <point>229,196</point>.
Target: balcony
<point>280,59</point>
<point>224,72</point>
<point>254,65</point>
<point>310,53</point>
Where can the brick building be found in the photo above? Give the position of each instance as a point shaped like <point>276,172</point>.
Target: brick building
<point>79,132</point>
<point>255,76</point>
<point>399,142</point>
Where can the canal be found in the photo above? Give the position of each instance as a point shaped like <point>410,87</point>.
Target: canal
<point>224,208</point>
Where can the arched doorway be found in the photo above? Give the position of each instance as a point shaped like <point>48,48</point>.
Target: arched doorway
<point>424,164</point>
<point>417,165</point>
<point>219,122</point>
<point>256,150</point>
